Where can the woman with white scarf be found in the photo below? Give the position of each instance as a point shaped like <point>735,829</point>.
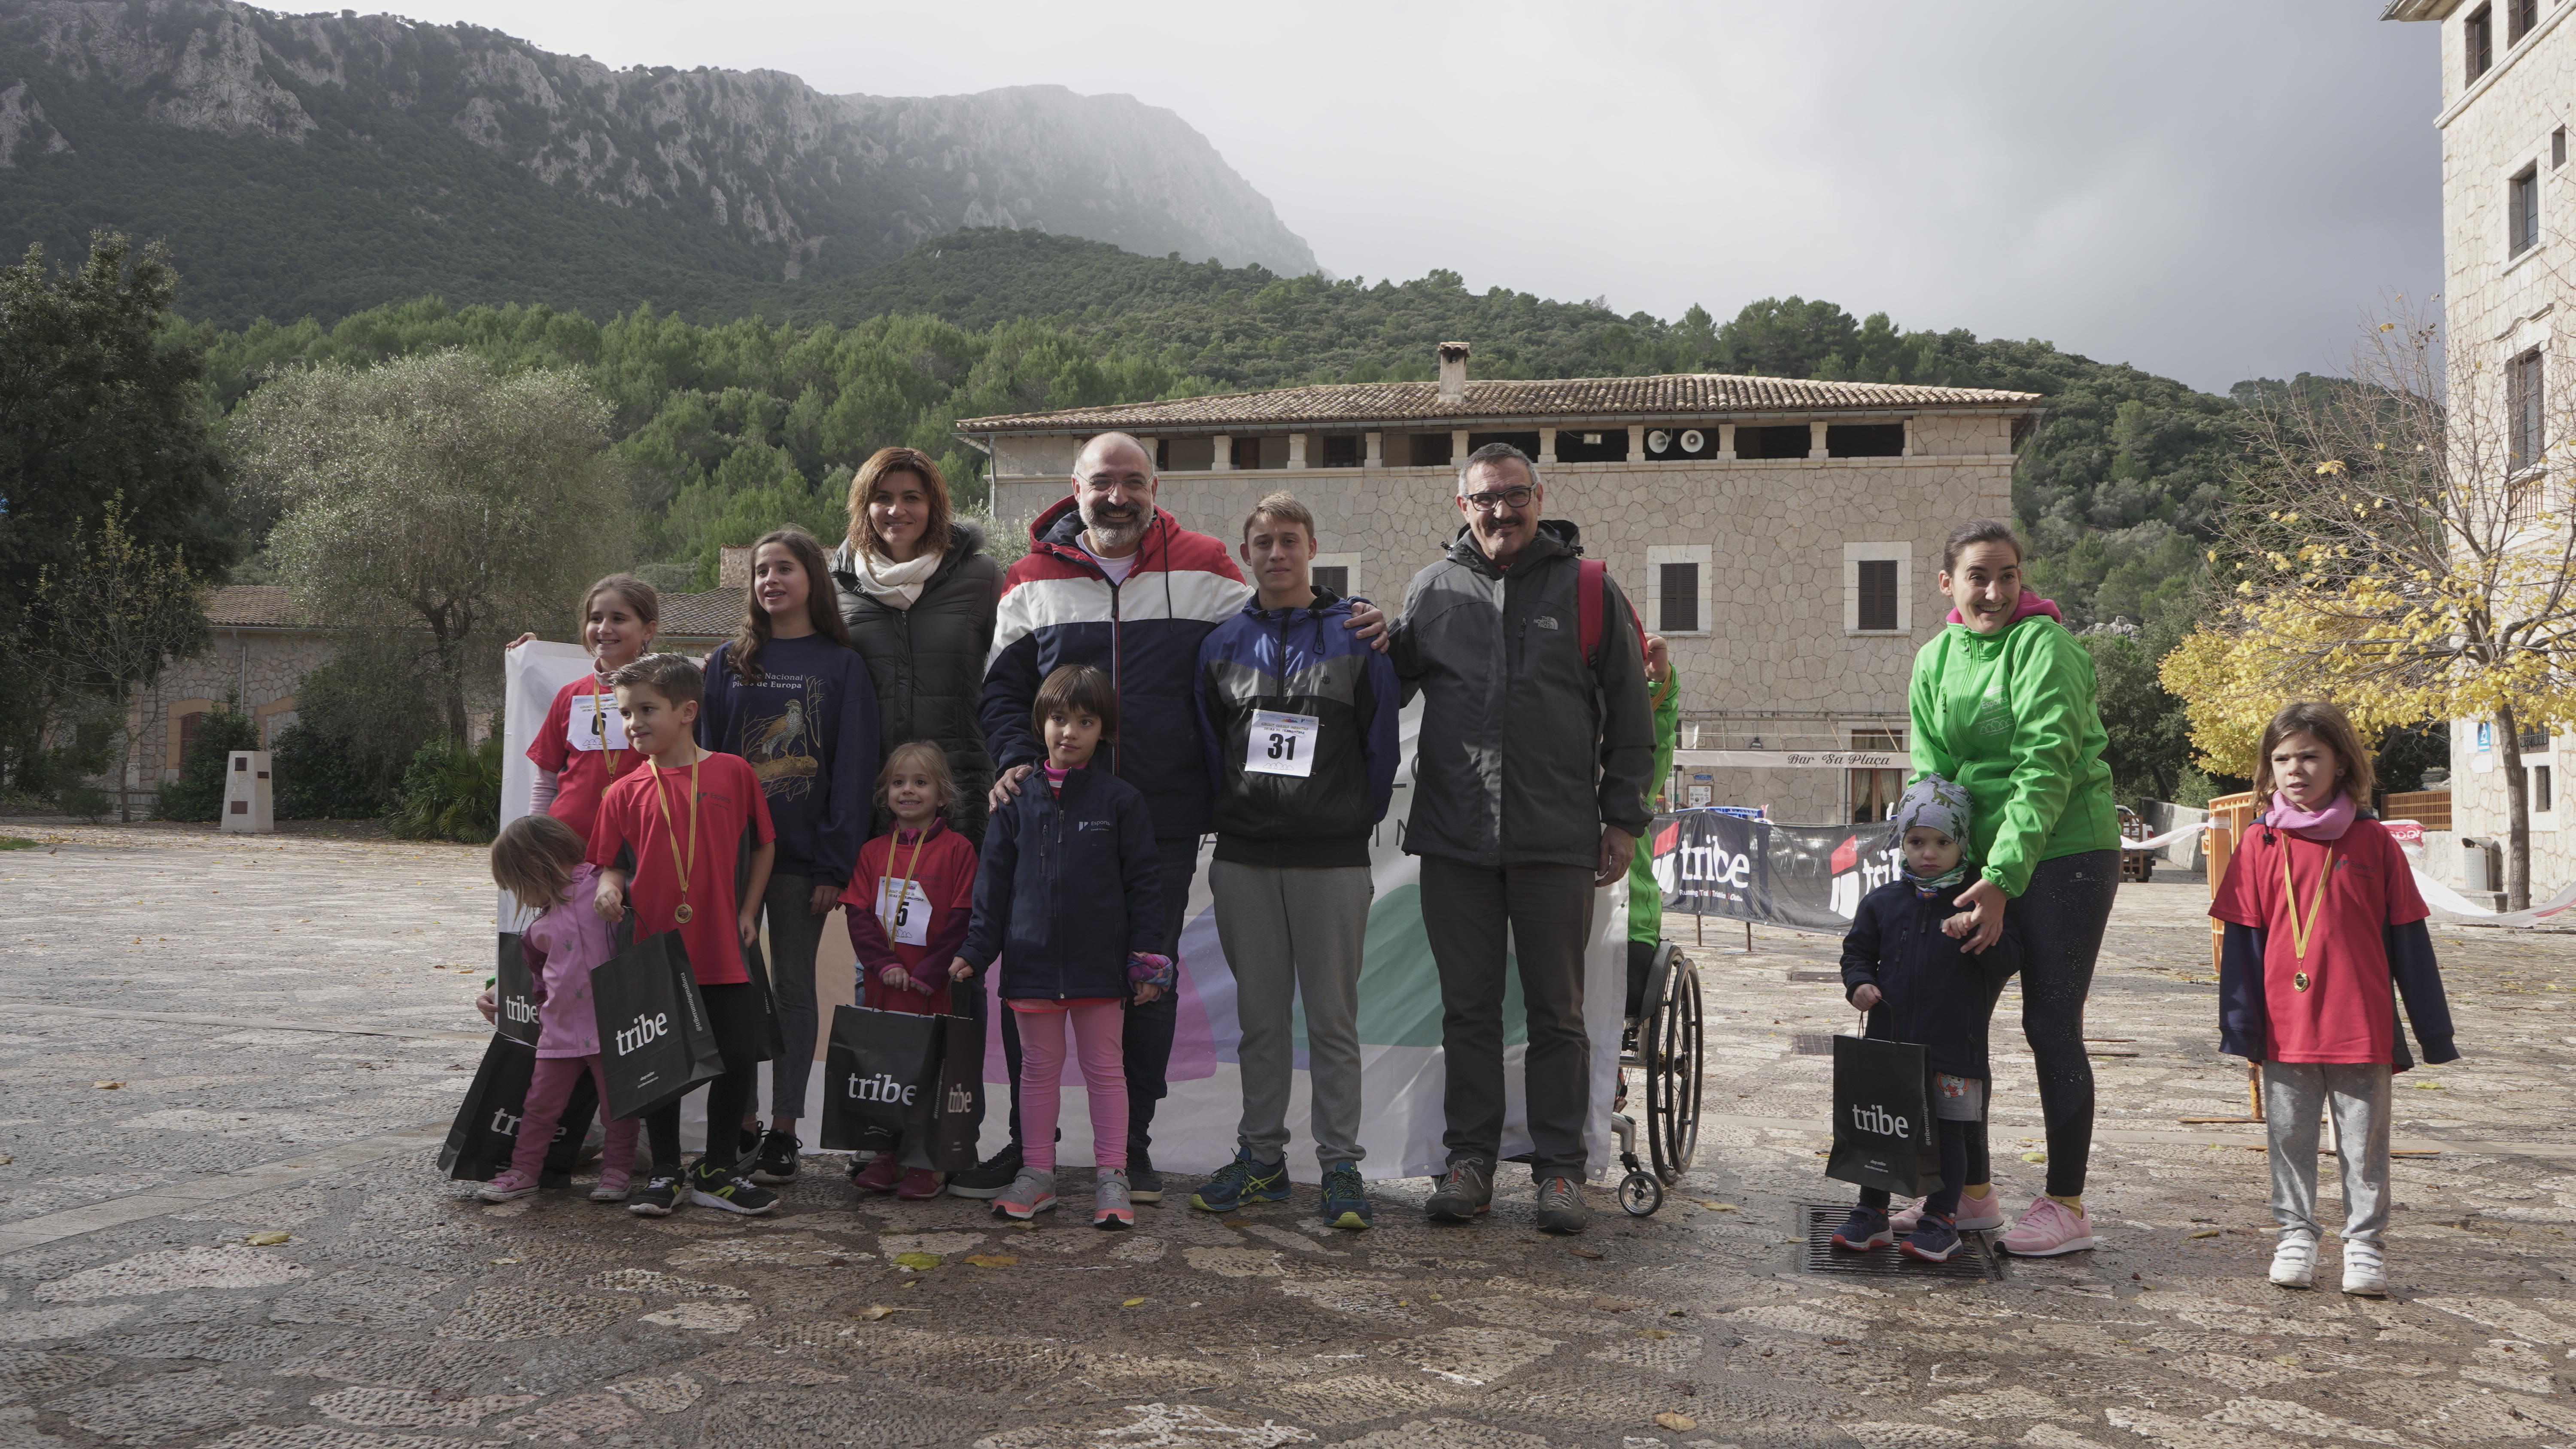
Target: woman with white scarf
<point>918,593</point>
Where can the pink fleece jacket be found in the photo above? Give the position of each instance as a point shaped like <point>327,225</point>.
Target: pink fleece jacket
<point>2030,604</point>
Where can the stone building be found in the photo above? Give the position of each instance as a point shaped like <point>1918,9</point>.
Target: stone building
<point>1782,534</point>
<point>2508,98</point>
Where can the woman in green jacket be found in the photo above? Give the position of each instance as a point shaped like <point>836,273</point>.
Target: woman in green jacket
<point>2002,703</point>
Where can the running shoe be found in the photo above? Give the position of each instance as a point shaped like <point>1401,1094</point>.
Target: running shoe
<point>2365,1270</point>
<point>1240,1181</point>
<point>1346,1203</point>
<point>1560,1206</point>
<point>1144,1184</point>
<point>1030,1193</point>
<point>1865,1229</point>
<point>2294,1261</point>
<point>2047,1228</point>
<point>1110,1208</point>
<point>612,1184</point>
<point>1466,1191</point>
<point>508,1187</point>
<point>1975,1215</point>
<point>990,1177</point>
<point>776,1160</point>
<point>879,1174</point>
<point>722,1187</point>
<point>659,1197</point>
<point>1933,1240</point>
<point>919,1184</point>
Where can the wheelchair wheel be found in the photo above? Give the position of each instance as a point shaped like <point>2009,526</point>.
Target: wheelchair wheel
<point>1669,1050</point>
<point>1640,1194</point>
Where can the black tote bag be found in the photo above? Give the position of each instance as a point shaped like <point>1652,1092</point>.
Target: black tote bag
<point>654,1040</point>
<point>879,1069</point>
<point>953,1123</point>
<point>514,989</point>
<point>486,1130</point>
<point>1884,1135</point>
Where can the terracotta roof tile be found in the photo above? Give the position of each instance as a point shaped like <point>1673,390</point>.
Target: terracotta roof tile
<point>710,615</point>
<point>1505,398</point>
<point>254,606</point>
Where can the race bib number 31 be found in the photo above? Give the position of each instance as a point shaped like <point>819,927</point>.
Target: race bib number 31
<point>907,921</point>
<point>1282,743</point>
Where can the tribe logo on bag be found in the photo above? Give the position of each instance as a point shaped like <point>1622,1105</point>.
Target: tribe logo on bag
<point>881,1088</point>
<point>1879,1122</point>
<point>646,1031</point>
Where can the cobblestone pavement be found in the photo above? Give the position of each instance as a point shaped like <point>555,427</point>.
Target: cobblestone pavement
<point>209,1043</point>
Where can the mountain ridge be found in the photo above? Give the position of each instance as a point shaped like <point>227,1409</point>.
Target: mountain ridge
<point>379,131</point>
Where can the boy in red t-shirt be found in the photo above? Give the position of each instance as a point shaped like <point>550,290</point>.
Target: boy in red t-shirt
<point>668,843</point>
<point>2322,920</point>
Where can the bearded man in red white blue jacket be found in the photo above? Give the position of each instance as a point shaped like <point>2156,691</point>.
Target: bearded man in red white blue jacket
<point>1113,581</point>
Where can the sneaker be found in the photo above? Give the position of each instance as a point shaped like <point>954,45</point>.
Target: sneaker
<point>722,1187</point>
<point>989,1177</point>
<point>2047,1228</point>
<point>1560,1206</point>
<point>1240,1181</point>
<point>1467,1190</point>
<point>658,1198</point>
<point>1975,1215</point>
<point>612,1186</point>
<point>876,1175</point>
<point>2365,1270</point>
<point>2294,1261</point>
<point>1934,1238</point>
<point>747,1142</point>
<point>1144,1184</point>
<point>1346,1203</point>
<point>1865,1229</point>
<point>776,1159</point>
<point>1031,1192</point>
<point>1111,1209</point>
<point>919,1184</point>
<point>508,1187</point>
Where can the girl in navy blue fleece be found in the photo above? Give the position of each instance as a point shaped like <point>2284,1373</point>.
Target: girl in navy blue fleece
<point>789,695</point>
<point>1069,897</point>
<point>1903,964</point>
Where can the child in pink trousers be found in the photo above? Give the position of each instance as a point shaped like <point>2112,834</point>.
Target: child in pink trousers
<point>538,860</point>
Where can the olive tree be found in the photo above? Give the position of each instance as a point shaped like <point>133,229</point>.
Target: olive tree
<point>431,495</point>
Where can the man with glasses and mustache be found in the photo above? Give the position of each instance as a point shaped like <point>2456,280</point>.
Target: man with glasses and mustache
<point>1531,779</point>
<point>1113,581</point>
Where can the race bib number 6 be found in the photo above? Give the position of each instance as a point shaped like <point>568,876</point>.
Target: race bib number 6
<point>592,727</point>
<point>1282,743</point>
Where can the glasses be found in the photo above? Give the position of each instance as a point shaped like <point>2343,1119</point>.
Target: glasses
<point>1489,502</point>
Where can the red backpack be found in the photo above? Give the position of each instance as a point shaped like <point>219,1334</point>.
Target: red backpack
<point>1591,589</point>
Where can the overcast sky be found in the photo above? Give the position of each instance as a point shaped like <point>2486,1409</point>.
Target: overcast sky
<point>2213,191</point>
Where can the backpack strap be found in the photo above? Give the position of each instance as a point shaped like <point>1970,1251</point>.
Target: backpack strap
<point>1591,590</point>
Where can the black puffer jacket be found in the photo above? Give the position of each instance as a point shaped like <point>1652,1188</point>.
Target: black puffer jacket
<point>1931,993</point>
<point>927,662</point>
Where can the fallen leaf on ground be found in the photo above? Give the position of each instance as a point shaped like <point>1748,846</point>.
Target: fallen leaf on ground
<point>1676,1422</point>
<point>2202,1233</point>
<point>1719,1207</point>
<point>989,1260</point>
<point>110,1086</point>
<point>1133,1303</point>
<point>1594,1253</point>
<point>916,1260</point>
<point>879,1312</point>
<point>2034,1157</point>
<point>265,1240</point>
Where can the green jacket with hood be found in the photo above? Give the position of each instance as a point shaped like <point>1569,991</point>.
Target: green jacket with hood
<point>2011,716</point>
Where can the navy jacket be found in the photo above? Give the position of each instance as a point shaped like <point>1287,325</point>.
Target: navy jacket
<point>809,731</point>
<point>1298,661</point>
<point>2245,1022</point>
<point>1059,607</point>
<point>1068,885</point>
<point>1934,995</point>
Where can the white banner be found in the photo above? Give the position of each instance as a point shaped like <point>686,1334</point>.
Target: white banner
<point>531,674</point>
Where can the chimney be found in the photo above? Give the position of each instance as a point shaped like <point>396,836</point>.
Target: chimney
<point>733,567</point>
<point>1453,371</point>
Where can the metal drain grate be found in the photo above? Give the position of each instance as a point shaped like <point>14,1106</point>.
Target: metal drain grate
<point>1812,1045</point>
<point>1976,1258</point>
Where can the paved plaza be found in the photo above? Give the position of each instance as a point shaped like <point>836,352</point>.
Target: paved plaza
<point>229,1062</point>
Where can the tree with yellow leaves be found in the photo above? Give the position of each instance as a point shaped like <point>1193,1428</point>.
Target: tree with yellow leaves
<point>2402,547</point>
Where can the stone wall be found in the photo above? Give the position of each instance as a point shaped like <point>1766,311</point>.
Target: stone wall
<point>265,666</point>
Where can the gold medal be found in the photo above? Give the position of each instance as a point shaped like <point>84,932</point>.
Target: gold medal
<point>2298,979</point>
<point>681,915</point>
<point>2300,931</point>
<point>683,862</point>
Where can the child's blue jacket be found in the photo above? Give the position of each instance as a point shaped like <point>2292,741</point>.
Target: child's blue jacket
<point>1934,995</point>
<point>1067,886</point>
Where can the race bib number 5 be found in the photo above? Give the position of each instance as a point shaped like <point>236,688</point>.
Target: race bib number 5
<point>1282,743</point>
<point>906,921</point>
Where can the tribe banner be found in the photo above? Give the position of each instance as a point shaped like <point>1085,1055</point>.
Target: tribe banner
<point>1194,1126</point>
<point>1810,877</point>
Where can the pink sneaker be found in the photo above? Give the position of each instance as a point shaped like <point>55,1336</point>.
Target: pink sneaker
<point>613,1182</point>
<point>1901,1220</point>
<point>508,1187</point>
<point>2047,1228</point>
<point>879,1175</point>
<point>919,1184</point>
<point>1976,1214</point>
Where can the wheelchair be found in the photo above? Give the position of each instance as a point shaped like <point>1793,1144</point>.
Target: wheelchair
<point>1663,1047</point>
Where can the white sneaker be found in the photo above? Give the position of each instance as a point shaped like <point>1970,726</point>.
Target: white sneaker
<point>2365,1270</point>
<point>2294,1261</point>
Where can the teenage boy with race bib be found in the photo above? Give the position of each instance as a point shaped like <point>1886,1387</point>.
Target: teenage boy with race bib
<point>1297,714</point>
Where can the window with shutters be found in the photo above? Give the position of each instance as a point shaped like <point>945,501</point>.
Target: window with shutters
<point>1677,582</point>
<point>1333,579</point>
<point>2523,408</point>
<point>1877,578</point>
<point>2540,788</point>
<point>1342,450</point>
<point>2477,41</point>
<point>2522,212</point>
<point>1677,600</point>
<point>1874,793</point>
<point>2519,17</point>
<point>2558,147</point>
<point>1247,452</point>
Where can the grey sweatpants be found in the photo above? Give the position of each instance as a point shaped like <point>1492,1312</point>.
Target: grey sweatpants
<point>1296,931</point>
<point>795,934</point>
<point>1547,912</point>
<point>2294,1095</point>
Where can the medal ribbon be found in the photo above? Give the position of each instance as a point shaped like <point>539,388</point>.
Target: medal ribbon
<point>906,889</point>
<point>599,698</point>
<point>677,859</point>
<point>2299,933</point>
